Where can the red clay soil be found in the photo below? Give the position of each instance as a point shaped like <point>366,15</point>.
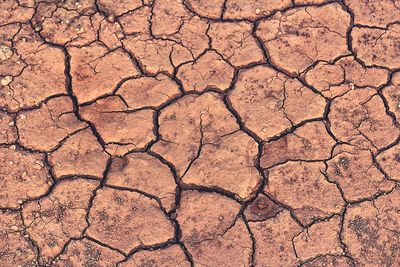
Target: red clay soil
<point>199,133</point>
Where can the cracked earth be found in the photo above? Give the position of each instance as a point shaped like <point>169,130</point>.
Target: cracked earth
<point>199,133</point>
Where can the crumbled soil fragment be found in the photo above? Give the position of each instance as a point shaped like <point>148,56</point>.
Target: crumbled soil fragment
<point>146,173</point>
<point>188,124</point>
<point>389,160</point>
<point>319,239</point>
<point>86,253</point>
<point>355,172</point>
<point>44,128</point>
<point>270,102</point>
<point>253,9</point>
<point>58,217</point>
<point>8,132</point>
<point>96,71</point>
<point>361,115</point>
<point>23,176</point>
<point>148,91</point>
<point>273,239</point>
<point>127,220</point>
<point>308,142</point>
<point>235,43</point>
<point>377,47</point>
<point>303,187</point>
<point>210,229</point>
<point>116,124</point>
<point>80,154</point>
<point>370,231</point>
<point>165,257</point>
<point>15,248</point>
<point>299,37</point>
<point>211,71</point>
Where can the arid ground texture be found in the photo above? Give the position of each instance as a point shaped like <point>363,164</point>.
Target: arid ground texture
<point>199,133</point>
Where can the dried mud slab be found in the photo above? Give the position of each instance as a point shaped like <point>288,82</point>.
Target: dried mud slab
<point>127,220</point>
<point>140,171</point>
<point>96,71</point>
<point>190,122</point>
<point>148,91</point>
<point>26,84</point>
<point>53,220</point>
<point>116,124</point>
<point>227,163</point>
<point>15,247</point>
<point>87,253</point>
<point>23,176</point>
<point>389,160</point>
<point>299,37</point>
<point>253,9</point>
<point>269,102</point>
<point>234,41</point>
<point>280,229</point>
<point>308,142</point>
<point>330,261</point>
<point>12,12</point>
<point>206,9</point>
<point>370,231</point>
<point>80,154</point>
<point>165,257</point>
<point>392,96</point>
<point>355,172</point>
<point>119,7</point>
<point>377,47</point>
<point>210,71</point>
<point>44,128</point>
<point>303,187</point>
<point>319,239</point>
<point>373,13</point>
<point>360,117</point>
<point>211,231</point>
<point>8,132</point>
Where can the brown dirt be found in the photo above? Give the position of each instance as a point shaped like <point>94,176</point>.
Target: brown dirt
<point>199,133</point>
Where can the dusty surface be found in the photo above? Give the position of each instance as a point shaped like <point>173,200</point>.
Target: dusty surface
<point>199,133</point>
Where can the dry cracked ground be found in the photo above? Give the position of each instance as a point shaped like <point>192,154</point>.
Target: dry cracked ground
<point>199,133</point>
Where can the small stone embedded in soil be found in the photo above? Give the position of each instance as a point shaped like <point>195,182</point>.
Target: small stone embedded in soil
<point>303,187</point>
<point>21,177</point>
<point>15,249</point>
<point>270,102</point>
<point>164,257</point>
<point>140,171</point>
<point>126,220</point>
<point>8,133</point>
<point>87,253</point>
<point>308,142</point>
<point>210,71</point>
<point>227,163</point>
<point>261,208</point>
<point>58,217</point>
<point>355,172</point>
<point>116,124</point>
<point>80,154</point>
<point>44,128</point>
